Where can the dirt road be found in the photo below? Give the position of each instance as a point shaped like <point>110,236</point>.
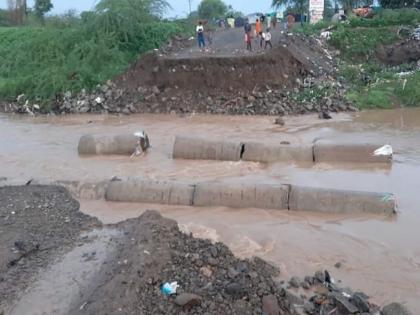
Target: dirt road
<point>228,43</point>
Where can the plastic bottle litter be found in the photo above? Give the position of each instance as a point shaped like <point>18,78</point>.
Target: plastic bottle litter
<point>169,288</point>
<point>385,150</point>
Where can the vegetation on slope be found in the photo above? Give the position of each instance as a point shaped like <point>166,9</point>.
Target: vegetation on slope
<point>71,53</point>
<point>373,85</point>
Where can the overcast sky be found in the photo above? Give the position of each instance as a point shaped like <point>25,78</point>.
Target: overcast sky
<point>180,7</point>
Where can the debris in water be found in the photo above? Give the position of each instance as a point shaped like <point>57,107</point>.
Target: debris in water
<point>385,150</point>
<point>143,143</point>
<point>279,121</point>
<point>324,115</point>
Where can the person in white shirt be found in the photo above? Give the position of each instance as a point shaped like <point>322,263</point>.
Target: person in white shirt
<point>200,35</point>
<point>267,38</point>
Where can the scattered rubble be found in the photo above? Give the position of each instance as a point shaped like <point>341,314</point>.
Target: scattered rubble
<point>261,101</point>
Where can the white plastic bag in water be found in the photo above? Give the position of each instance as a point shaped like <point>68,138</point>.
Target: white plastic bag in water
<point>385,150</point>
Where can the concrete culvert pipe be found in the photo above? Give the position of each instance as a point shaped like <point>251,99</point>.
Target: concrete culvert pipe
<point>202,149</point>
<point>120,144</point>
<point>331,151</point>
<point>263,196</point>
<point>340,201</point>
<point>260,152</point>
<point>149,191</point>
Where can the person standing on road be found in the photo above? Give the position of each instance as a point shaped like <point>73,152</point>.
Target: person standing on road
<point>248,30</point>
<point>268,18</point>
<point>200,35</point>
<point>267,38</point>
<point>259,31</point>
<point>209,34</point>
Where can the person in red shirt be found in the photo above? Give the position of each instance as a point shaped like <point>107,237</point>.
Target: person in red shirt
<point>248,30</point>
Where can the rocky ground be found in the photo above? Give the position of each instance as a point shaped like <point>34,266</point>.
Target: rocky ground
<point>39,223</point>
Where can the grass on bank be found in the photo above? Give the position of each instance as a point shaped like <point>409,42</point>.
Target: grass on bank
<point>45,62</point>
<point>373,85</point>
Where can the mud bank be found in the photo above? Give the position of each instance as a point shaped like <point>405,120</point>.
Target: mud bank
<point>402,52</point>
<point>37,225</point>
<point>278,68</point>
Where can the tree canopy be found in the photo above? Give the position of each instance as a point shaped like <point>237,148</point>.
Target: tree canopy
<point>41,7</point>
<point>299,5</point>
<point>212,9</point>
<point>134,8</point>
<point>395,4</point>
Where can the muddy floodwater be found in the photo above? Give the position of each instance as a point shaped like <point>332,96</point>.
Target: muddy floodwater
<point>379,255</point>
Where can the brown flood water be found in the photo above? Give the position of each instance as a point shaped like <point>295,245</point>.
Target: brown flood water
<point>380,256</point>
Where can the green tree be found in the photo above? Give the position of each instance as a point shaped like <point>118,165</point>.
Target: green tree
<point>396,4</point>
<point>41,7</point>
<point>126,20</point>
<point>328,10</point>
<point>17,11</point>
<point>301,6</point>
<point>233,13</point>
<point>4,18</point>
<point>212,9</point>
<point>134,8</point>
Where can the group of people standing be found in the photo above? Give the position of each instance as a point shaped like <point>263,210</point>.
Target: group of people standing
<point>264,36</point>
<point>260,34</point>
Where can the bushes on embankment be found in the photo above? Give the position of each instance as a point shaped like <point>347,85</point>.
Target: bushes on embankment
<point>44,62</point>
<point>373,84</point>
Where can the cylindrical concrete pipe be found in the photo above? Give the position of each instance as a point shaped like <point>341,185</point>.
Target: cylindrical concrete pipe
<point>85,190</point>
<point>202,149</point>
<point>335,151</point>
<point>236,195</point>
<point>120,144</point>
<point>150,191</point>
<point>260,152</point>
<point>240,195</point>
<point>340,201</point>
